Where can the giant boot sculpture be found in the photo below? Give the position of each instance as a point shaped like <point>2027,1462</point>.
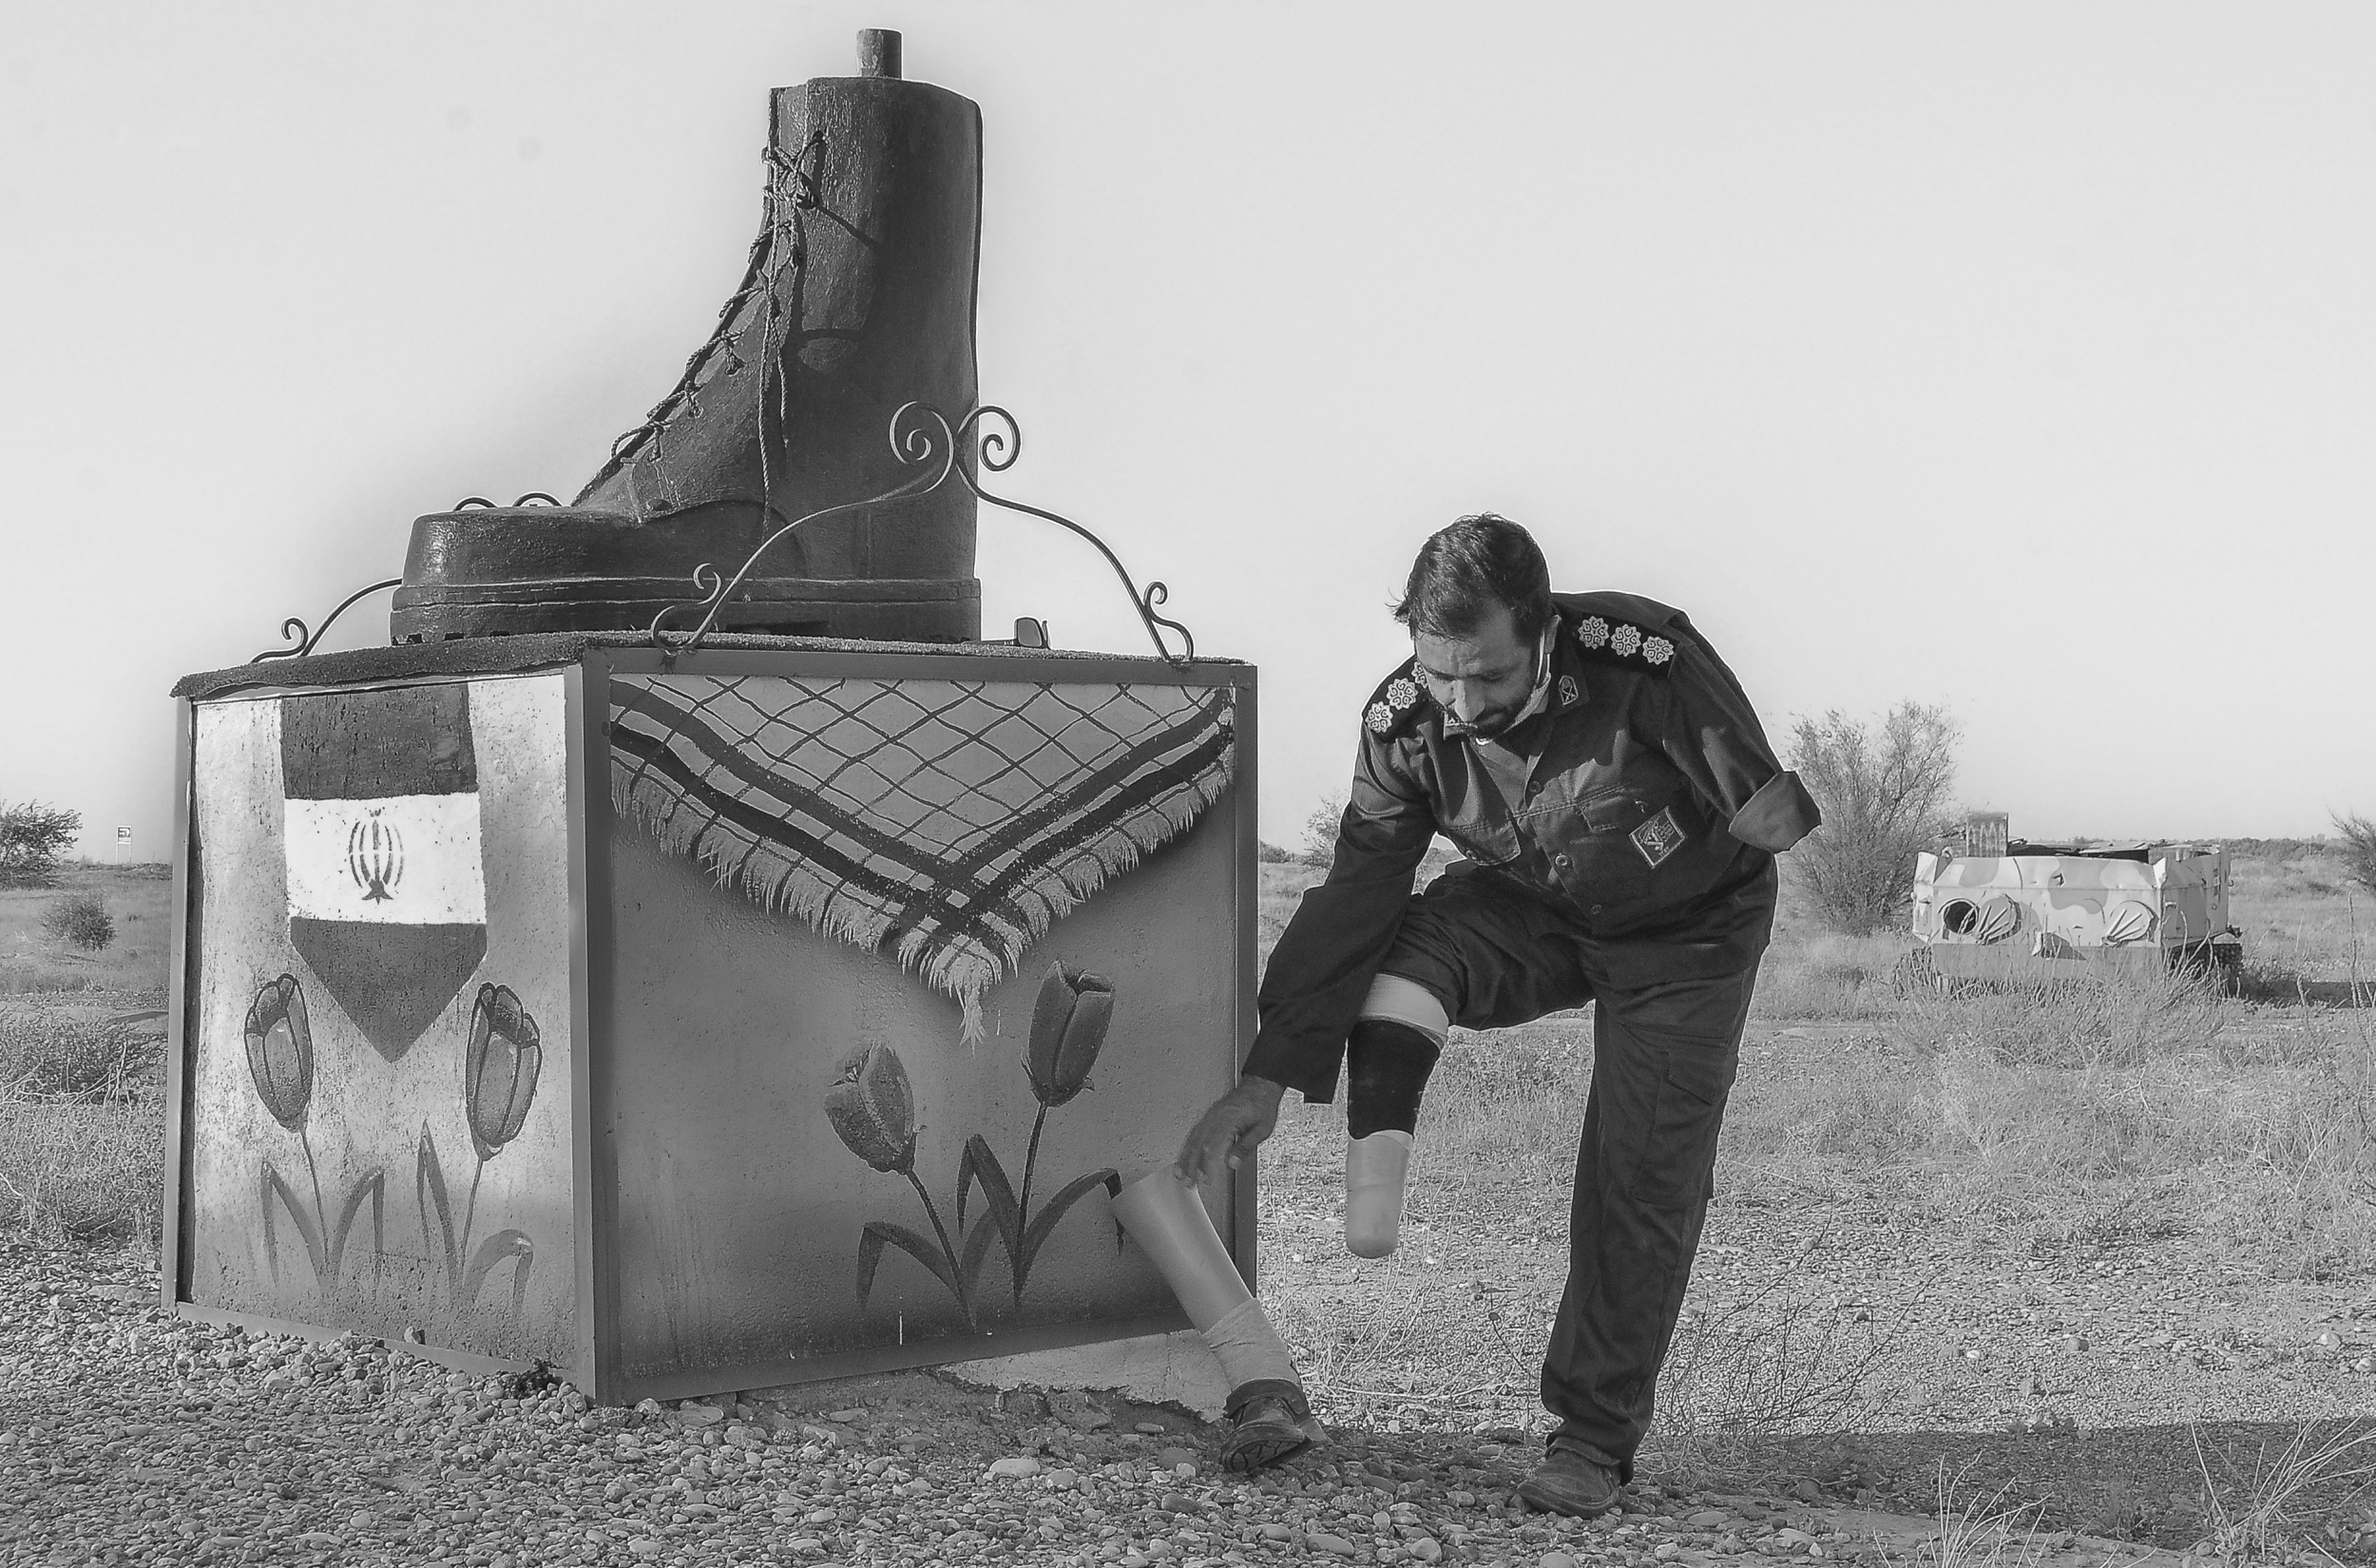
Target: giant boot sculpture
<point>858,297</point>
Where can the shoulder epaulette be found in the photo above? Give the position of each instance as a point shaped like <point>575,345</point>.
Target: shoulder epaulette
<point>1397,702</point>
<point>1606,640</point>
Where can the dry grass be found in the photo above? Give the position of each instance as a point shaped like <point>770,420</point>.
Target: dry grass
<point>1974,1532</point>
<point>84,1171</point>
<point>82,1127</point>
<point>34,961</point>
<point>2271,1514</point>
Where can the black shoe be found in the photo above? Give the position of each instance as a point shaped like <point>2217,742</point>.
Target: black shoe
<point>1569,1483</point>
<point>1268,1421</point>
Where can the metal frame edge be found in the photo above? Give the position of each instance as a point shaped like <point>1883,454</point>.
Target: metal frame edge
<point>179,954</point>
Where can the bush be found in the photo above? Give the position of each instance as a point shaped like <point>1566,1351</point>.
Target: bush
<point>1320,831</point>
<point>1271,854</point>
<point>1885,797</point>
<point>31,838</point>
<point>79,918</point>
<point>2359,849</point>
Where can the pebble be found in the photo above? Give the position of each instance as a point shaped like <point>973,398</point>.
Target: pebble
<point>1335,1547</point>
<point>1557,1560</point>
<point>1014,1467</point>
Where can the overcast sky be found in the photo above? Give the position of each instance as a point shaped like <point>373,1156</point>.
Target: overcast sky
<point>2021,358</point>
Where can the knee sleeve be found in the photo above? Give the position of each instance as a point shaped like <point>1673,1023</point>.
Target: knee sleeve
<point>1387,1065</point>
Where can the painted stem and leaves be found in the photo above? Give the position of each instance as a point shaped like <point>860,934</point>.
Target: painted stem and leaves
<point>872,1107</point>
<point>500,1064</point>
<point>279,1038</point>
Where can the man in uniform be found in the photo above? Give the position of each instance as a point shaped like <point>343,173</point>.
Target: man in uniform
<point>1620,810</point>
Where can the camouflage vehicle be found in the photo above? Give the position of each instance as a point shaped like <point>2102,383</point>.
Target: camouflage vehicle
<point>2006,908</point>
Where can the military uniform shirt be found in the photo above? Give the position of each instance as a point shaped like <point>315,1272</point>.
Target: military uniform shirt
<point>1643,803</point>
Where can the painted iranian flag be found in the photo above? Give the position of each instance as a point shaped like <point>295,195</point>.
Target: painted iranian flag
<point>387,893</point>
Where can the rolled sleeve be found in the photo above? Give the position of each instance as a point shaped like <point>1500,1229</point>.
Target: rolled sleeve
<point>1713,735</point>
<point>1778,816</point>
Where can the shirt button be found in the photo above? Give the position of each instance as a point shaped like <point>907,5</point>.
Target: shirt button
<point>1561,861</point>
<point>1596,908</point>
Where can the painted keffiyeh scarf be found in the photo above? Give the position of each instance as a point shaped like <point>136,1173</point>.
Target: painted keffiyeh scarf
<point>948,823</point>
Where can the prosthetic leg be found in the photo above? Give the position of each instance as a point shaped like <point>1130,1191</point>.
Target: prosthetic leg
<point>1269,1418</point>
<point>1387,1058</point>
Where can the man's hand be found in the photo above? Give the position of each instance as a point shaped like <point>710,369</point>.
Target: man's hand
<point>1229,1129</point>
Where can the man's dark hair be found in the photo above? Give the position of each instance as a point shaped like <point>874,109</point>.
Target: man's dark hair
<point>1466,570</point>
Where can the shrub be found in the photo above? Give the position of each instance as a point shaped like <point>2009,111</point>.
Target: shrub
<point>31,838</point>
<point>1320,830</point>
<point>1272,854</point>
<point>79,918</point>
<point>2359,849</point>
<point>1884,798</point>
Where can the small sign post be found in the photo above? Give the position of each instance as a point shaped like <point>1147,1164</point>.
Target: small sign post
<point>124,842</point>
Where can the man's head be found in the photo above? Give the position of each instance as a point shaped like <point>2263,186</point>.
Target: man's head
<point>1477,603</point>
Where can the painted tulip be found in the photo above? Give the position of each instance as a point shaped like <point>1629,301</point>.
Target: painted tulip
<point>280,1051</point>
<point>1069,1024</point>
<point>499,1068</point>
<point>874,1110</point>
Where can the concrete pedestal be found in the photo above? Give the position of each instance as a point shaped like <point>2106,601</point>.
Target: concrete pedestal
<point>540,998</point>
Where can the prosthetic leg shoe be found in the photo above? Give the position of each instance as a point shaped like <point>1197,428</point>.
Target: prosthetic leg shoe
<point>858,296</point>
<point>1269,1418</point>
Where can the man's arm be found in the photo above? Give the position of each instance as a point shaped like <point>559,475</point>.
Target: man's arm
<point>1322,965</point>
<point>1714,738</point>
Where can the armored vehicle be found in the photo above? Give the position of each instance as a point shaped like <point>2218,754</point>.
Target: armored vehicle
<point>2007,908</point>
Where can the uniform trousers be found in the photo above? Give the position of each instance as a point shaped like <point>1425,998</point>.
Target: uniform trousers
<point>1664,1059</point>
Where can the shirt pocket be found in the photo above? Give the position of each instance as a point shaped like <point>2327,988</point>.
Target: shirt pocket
<point>1608,845</point>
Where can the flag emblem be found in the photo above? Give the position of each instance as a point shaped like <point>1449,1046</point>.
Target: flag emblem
<point>374,855</point>
<point>387,893</point>
<point>1660,837</point>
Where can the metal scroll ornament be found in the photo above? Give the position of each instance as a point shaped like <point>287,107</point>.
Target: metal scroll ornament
<point>302,641</point>
<point>922,438</point>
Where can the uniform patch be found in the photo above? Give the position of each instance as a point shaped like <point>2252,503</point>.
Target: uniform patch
<point>1567,690</point>
<point>1659,838</point>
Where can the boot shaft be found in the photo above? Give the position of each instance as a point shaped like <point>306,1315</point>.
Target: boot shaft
<point>858,296</point>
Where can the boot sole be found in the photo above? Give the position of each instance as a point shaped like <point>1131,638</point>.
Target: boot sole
<point>1262,1444</point>
<point>1544,1502</point>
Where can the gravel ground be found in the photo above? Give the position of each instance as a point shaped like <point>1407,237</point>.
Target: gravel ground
<point>2098,1388</point>
<point>132,1437</point>
<point>128,1436</point>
